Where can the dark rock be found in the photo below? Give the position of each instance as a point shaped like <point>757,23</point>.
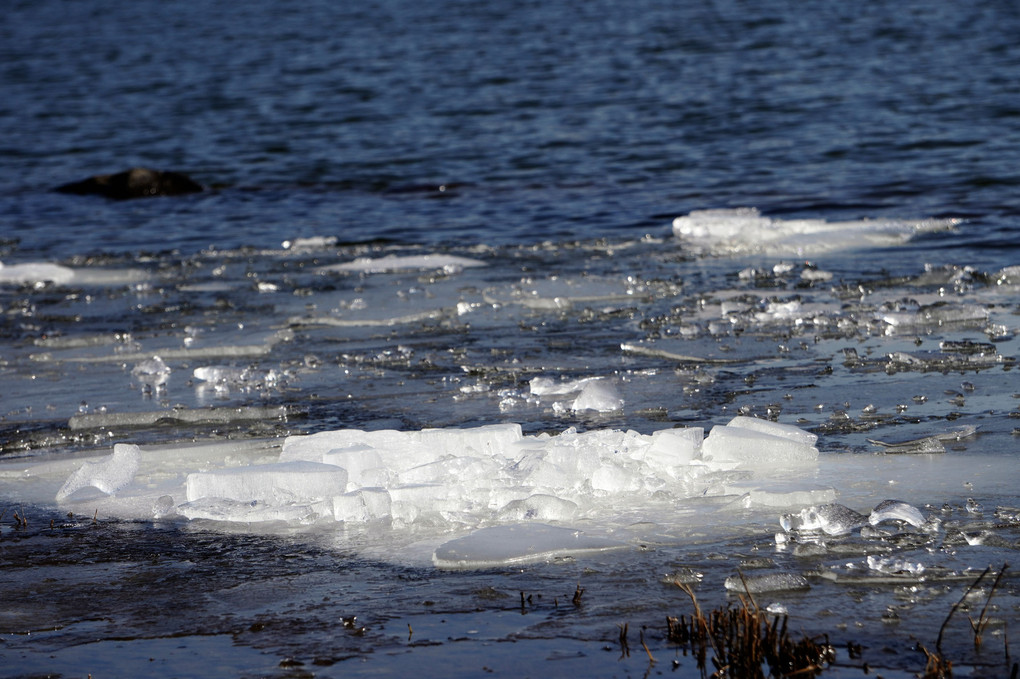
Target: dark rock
<point>137,182</point>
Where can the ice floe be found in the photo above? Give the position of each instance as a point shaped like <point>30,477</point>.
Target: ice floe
<point>745,230</point>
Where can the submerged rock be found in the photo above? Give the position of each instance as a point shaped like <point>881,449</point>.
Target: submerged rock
<point>138,182</point>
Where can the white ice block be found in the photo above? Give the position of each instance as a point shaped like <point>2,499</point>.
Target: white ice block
<point>786,431</point>
<point>753,449</point>
<point>269,483</point>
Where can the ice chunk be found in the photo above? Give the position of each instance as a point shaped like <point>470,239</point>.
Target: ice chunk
<point>745,230</point>
<point>598,395</point>
<point>108,474</point>
<point>739,446</point>
<point>672,448</point>
<point>895,510</point>
<point>273,484</point>
<point>232,511</point>
<point>538,507</point>
<point>546,386</point>
<point>831,519</point>
<point>153,372</point>
<point>492,439</point>
<point>357,460</point>
<point>35,272</point>
<point>895,565</point>
<point>522,543</point>
<point>362,505</point>
<point>767,582</point>
<point>786,431</point>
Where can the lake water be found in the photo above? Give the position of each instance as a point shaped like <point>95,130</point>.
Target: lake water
<point>459,215</point>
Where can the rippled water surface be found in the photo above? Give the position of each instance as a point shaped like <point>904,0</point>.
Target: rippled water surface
<point>455,215</point>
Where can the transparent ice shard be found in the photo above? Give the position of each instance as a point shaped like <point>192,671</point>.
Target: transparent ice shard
<point>896,510</point>
<point>831,519</point>
<point>767,582</point>
<point>108,474</point>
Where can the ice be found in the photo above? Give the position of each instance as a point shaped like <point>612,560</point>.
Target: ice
<point>738,446</point>
<point>831,519</point>
<point>593,393</point>
<point>35,272</point>
<point>390,263</point>
<point>108,474</point>
<point>787,431</point>
<point>745,230</point>
<point>189,415</point>
<point>600,396</point>
<point>516,544</point>
<point>895,565</point>
<point>538,507</point>
<point>895,510</point>
<point>358,460</point>
<point>39,273</point>
<point>153,373</point>
<point>275,484</point>
<point>362,505</point>
<point>310,243</point>
<point>768,582</point>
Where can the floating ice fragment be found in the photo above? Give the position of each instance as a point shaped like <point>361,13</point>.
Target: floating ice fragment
<point>522,543</point>
<point>768,582</point>
<point>108,474</point>
<point>896,510</point>
<point>893,565</point>
<point>390,263</point>
<point>600,396</point>
<point>831,519</point>
<point>743,230</point>
<point>35,272</point>
<point>310,243</point>
<point>153,372</point>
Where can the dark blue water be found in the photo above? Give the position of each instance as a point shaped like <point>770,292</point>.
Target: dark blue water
<point>557,120</point>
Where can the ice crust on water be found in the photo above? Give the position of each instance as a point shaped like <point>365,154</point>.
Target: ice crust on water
<point>108,474</point>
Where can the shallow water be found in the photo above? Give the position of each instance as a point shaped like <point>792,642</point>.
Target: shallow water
<point>871,300</point>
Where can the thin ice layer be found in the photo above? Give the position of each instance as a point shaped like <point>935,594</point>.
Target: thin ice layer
<point>516,544</point>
